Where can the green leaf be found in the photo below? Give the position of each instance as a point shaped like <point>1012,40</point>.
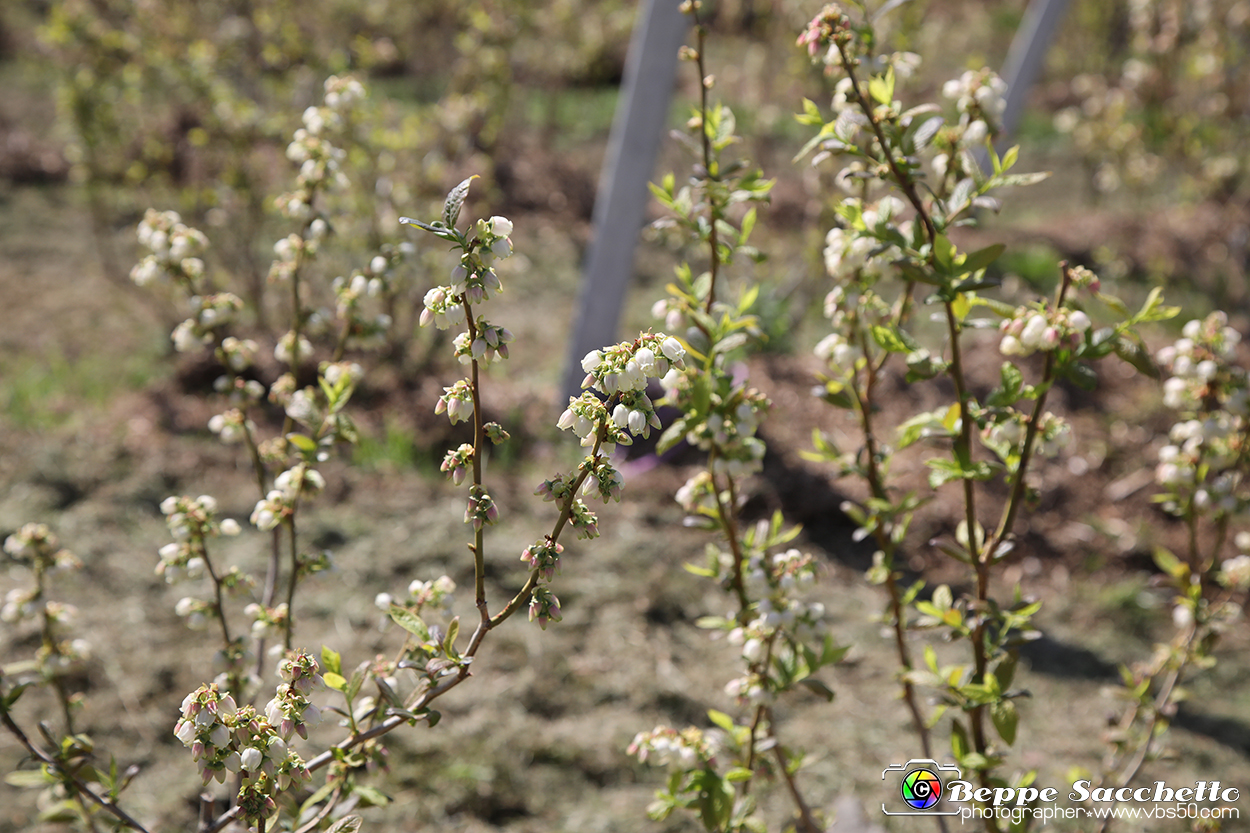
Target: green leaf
<point>9,699</point>
<point>739,773</point>
<point>354,684</point>
<point>1021,180</point>
<point>925,132</point>
<point>449,641</point>
<point>29,778</point>
<point>1006,719</point>
<point>722,720</point>
<point>1170,564</point>
<point>836,395</point>
<point>944,254</point>
<point>889,337</point>
<point>818,688</point>
<point>748,225</point>
<point>919,274</point>
<point>672,435</point>
<point>334,680</point>
<point>330,660</point>
<point>410,622</point>
<point>882,88</point>
<point>302,442</point>
<point>316,798</point>
<point>981,258</point>
<point>455,201</point>
<point>371,796</point>
<point>1137,356</point>
<point>1082,375</point>
<point>347,824</point>
<point>63,812</point>
<point>1005,671</point>
<point>959,740</point>
<point>961,196</point>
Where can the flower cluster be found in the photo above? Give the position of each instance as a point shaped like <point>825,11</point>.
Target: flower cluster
<point>481,509</point>
<point>1202,370</point>
<point>208,313</point>
<point>1031,330</point>
<point>456,463</point>
<point>863,249</point>
<point>268,622</point>
<point>456,402</point>
<point>827,29</point>
<point>627,366</point>
<point>729,429</point>
<point>543,556</point>
<point>224,738</point>
<point>473,280</point>
<point>488,344</point>
<point>312,150</point>
<point>38,546</point>
<point>1235,571</point>
<point>663,746</point>
<point>1201,467</point>
<point>979,97</point>
<point>191,521</point>
<point>174,250</point>
<point>544,606</point>
<point>362,330</point>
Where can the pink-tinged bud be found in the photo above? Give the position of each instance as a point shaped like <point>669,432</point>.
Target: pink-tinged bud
<point>426,318</point>
<point>1050,338</point>
<point>185,731</point>
<point>492,513</point>
<point>457,475</point>
<point>197,750</point>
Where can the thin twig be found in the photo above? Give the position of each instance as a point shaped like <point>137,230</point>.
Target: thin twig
<point>82,788</point>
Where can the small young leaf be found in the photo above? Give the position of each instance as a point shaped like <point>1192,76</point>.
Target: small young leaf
<point>330,660</point>
<point>818,688</point>
<point>371,796</point>
<point>410,622</point>
<point>890,338</point>
<point>334,681</point>
<point>1005,718</point>
<point>302,442</point>
<point>27,778</point>
<point>721,720</point>
<point>347,824</point>
<point>449,641</point>
<point>455,201</point>
<point>1169,563</point>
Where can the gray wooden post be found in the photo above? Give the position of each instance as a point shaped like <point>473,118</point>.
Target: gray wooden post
<point>1024,62</point>
<point>621,202</point>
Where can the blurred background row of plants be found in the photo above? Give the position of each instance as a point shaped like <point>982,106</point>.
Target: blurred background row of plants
<point>1143,104</point>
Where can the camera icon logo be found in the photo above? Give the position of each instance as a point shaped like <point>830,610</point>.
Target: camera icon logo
<point>921,786</point>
